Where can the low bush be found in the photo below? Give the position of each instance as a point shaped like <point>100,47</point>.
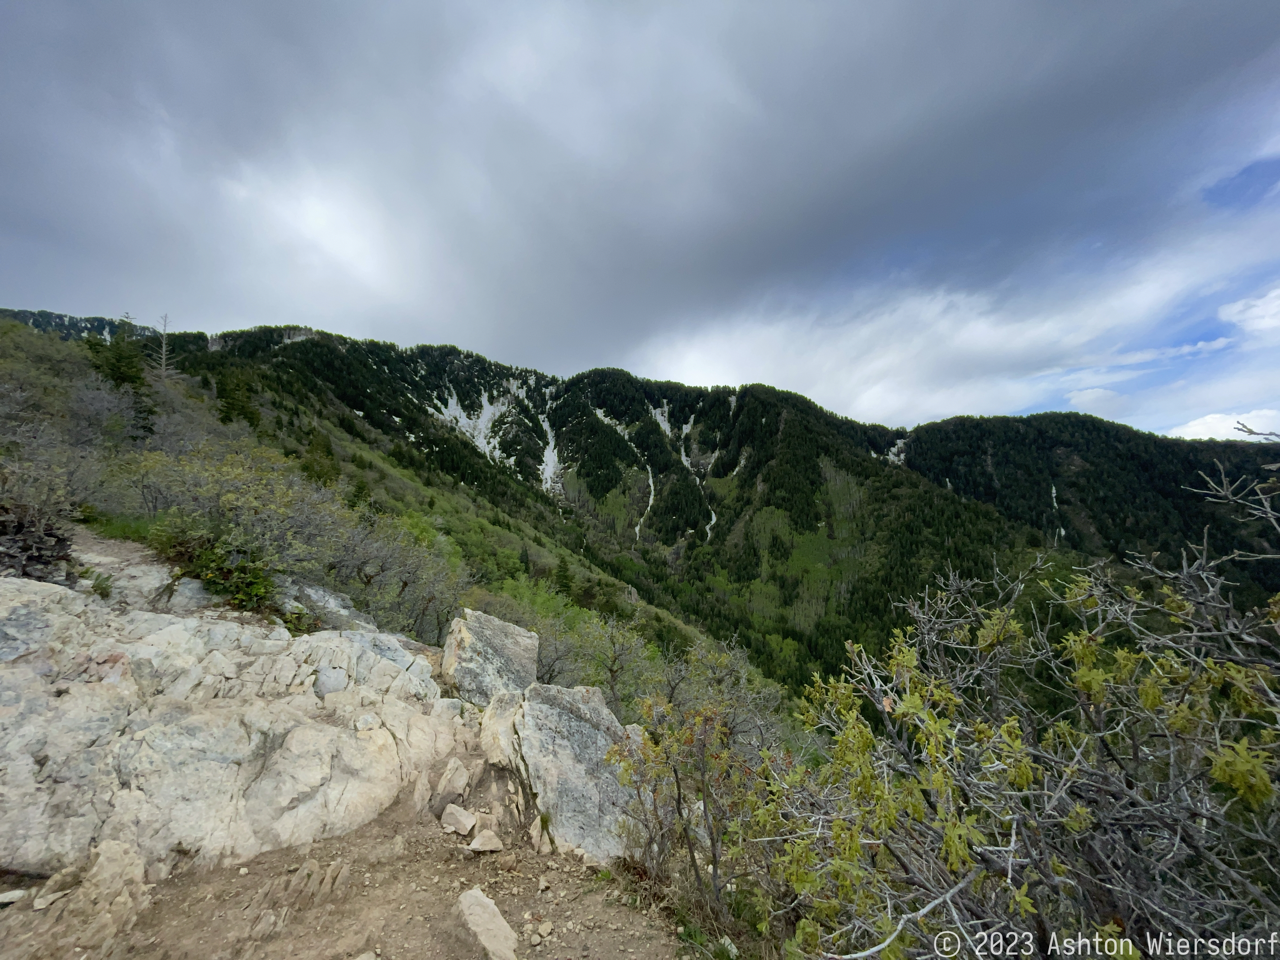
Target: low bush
<point>225,559</point>
<point>1104,761</point>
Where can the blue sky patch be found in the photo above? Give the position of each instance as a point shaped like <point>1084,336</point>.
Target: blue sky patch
<point>1245,189</point>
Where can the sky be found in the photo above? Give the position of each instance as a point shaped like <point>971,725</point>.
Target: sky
<point>904,209</point>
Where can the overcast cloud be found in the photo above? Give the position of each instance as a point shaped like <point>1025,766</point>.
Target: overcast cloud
<point>905,210</point>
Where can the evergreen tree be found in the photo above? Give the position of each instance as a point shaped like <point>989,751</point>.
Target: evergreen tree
<point>564,579</point>
<point>319,463</point>
<point>119,359</point>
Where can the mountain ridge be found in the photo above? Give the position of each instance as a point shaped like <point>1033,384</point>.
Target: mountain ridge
<point>748,512</point>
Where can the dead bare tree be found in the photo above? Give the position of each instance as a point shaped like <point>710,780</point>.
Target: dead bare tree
<point>163,360</point>
<point>1254,497</point>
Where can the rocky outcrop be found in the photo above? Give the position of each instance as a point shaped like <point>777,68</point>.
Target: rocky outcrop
<point>332,611</point>
<point>138,583</point>
<point>33,546</point>
<point>556,740</point>
<point>155,726</point>
<point>485,656</point>
<point>198,736</point>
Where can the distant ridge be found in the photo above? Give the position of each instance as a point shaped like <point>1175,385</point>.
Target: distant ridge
<point>748,512</point>
<point>73,328</point>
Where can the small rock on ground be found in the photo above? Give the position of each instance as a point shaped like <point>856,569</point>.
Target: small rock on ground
<point>480,917</point>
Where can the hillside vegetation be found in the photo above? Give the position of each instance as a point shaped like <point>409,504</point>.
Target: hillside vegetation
<point>1100,488</point>
<point>1002,730</point>
<point>751,514</point>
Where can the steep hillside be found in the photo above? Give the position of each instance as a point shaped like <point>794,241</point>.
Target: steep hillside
<point>748,513</point>
<point>1101,488</point>
<point>70,327</point>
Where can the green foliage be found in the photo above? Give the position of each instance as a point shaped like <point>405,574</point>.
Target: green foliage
<point>1245,771</point>
<point>102,583</point>
<point>319,462</point>
<point>120,360</point>
<point>816,534</point>
<point>226,560</point>
<point>243,516</point>
<point>1108,760</point>
<point>1109,488</point>
<point>115,527</point>
<point>758,450</point>
<point>235,400</point>
<point>563,578</point>
<point>41,367</point>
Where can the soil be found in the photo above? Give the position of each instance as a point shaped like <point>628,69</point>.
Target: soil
<point>404,874</point>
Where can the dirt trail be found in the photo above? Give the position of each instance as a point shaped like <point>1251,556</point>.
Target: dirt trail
<point>392,884</point>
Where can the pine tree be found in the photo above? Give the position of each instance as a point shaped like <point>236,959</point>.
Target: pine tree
<point>564,579</point>
<point>120,358</point>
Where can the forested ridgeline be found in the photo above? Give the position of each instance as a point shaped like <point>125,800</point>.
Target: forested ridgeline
<point>1100,488</point>
<point>999,737</point>
<point>750,514</point>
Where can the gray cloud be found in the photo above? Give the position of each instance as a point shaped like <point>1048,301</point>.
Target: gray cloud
<point>567,185</point>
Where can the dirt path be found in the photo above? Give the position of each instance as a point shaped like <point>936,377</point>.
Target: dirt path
<point>391,886</point>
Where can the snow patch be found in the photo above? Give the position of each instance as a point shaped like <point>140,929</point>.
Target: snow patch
<point>616,425</point>
<point>550,459</point>
<point>482,428</point>
<point>663,416</point>
<point>660,414</point>
<point>898,454</point>
<point>650,506</point>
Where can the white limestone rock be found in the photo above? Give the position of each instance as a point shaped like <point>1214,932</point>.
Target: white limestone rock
<point>56,766</point>
<point>485,656</point>
<point>564,736</point>
<point>498,731</point>
<point>451,787</point>
<point>38,618</point>
<point>479,921</point>
<point>341,659</point>
<point>458,820</point>
<point>334,610</point>
<point>88,909</point>
<point>199,734</point>
<point>486,841</point>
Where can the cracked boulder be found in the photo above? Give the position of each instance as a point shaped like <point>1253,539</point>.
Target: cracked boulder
<point>485,656</point>
<point>556,740</point>
<point>478,924</point>
<point>198,736</point>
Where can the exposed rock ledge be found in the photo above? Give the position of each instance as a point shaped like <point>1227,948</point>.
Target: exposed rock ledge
<point>201,734</point>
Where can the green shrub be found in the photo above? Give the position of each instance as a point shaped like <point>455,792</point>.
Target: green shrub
<point>102,584</point>
<point>225,560</point>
